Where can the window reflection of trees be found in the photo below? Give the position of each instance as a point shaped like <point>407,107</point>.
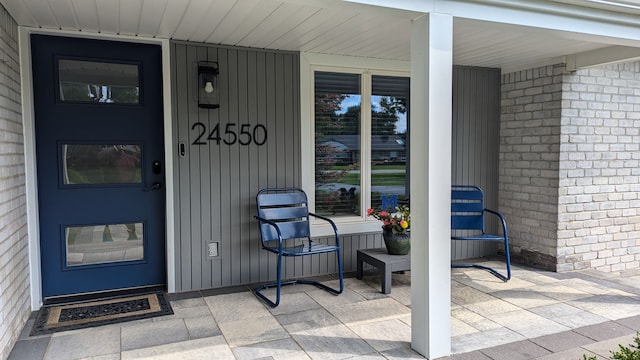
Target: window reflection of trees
<point>338,132</point>
<point>95,244</point>
<point>80,92</point>
<point>102,164</point>
<point>82,81</point>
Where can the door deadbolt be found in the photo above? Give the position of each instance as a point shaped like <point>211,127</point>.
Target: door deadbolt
<point>156,168</point>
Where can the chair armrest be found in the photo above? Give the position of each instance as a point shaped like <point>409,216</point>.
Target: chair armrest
<point>502,220</point>
<point>333,225</point>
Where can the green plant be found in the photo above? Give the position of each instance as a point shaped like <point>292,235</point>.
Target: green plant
<point>629,353</point>
<point>624,353</point>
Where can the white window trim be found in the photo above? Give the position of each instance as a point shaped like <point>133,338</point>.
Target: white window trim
<point>310,62</point>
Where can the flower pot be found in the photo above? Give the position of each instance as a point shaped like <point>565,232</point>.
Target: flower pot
<point>398,243</point>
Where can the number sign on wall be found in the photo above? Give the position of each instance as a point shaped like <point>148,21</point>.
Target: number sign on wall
<point>244,134</point>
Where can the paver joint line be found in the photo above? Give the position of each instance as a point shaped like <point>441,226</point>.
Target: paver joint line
<point>362,322</point>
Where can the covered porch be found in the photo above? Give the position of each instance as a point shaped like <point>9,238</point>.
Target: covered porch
<point>427,38</point>
<point>536,315</point>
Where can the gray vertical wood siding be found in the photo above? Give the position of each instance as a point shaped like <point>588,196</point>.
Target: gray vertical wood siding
<point>475,143</point>
<point>216,184</point>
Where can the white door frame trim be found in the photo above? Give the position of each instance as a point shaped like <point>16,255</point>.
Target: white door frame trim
<point>35,274</point>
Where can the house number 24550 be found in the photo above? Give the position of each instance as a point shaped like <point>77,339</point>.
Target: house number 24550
<point>244,134</point>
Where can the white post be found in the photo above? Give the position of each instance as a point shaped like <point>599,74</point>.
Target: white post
<point>430,163</point>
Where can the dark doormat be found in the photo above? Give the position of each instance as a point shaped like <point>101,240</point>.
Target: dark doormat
<point>63,317</point>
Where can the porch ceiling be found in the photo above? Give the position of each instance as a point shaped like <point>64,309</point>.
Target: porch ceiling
<point>328,27</point>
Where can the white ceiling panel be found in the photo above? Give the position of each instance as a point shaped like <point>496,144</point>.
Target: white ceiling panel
<point>338,33</point>
<point>272,27</point>
<point>108,14</point>
<point>67,16</point>
<point>481,44</point>
<point>86,14</point>
<point>630,6</point>
<point>240,22</point>
<point>232,19</point>
<point>210,21</point>
<point>198,13</point>
<point>173,15</point>
<point>129,18</point>
<point>41,14</point>
<point>152,13</point>
<point>388,43</point>
<point>313,30</point>
<point>19,10</point>
<point>323,26</point>
<point>306,30</point>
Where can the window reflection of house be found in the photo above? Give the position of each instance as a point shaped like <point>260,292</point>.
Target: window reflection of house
<point>384,148</point>
<point>388,148</point>
<point>341,150</point>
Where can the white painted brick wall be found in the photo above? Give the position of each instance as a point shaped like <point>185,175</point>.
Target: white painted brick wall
<point>529,158</point>
<point>601,124</point>
<point>14,267</point>
<point>570,176</point>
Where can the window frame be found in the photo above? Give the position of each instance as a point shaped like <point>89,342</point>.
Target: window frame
<point>366,67</point>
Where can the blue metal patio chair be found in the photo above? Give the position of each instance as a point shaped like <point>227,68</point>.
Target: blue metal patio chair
<point>468,223</point>
<point>283,217</point>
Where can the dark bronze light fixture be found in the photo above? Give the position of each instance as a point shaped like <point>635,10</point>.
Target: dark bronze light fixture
<point>208,85</point>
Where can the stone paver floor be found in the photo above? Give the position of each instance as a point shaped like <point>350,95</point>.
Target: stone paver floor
<point>536,315</point>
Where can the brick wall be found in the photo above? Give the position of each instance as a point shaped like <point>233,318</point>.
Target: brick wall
<point>599,212</point>
<point>14,270</point>
<point>569,166</point>
<point>529,162</point>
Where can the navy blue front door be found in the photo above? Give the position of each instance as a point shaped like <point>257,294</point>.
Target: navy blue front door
<point>100,164</point>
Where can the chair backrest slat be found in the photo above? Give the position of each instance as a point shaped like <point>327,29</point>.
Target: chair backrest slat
<point>458,207</point>
<point>467,208</point>
<point>287,207</point>
<point>289,230</point>
<point>467,222</point>
<point>283,213</point>
<point>282,198</point>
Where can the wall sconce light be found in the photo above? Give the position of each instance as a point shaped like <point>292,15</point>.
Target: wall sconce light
<point>208,85</point>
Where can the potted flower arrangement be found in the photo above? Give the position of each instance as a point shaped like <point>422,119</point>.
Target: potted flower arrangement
<point>396,229</point>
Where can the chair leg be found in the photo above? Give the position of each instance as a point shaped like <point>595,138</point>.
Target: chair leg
<point>497,274</point>
<point>508,258</point>
<point>476,266</point>
<point>323,286</point>
<point>279,284</point>
<point>340,273</point>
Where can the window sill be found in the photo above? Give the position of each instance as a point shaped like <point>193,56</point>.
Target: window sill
<point>345,227</point>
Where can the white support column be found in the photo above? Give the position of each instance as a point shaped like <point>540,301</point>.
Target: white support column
<point>430,164</point>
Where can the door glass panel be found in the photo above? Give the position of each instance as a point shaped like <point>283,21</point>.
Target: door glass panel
<point>97,244</point>
<point>98,82</point>
<point>101,164</point>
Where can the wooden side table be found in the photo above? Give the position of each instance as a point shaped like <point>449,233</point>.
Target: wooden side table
<point>387,264</point>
